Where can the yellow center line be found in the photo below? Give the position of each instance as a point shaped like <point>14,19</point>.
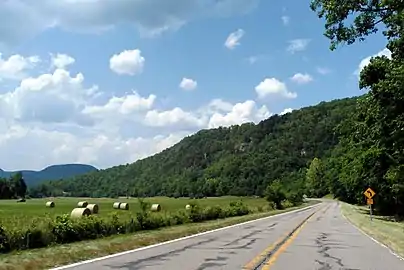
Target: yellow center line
<point>267,265</point>
<point>256,260</point>
<point>260,257</point>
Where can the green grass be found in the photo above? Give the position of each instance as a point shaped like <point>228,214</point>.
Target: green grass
<point>19,215</point>
<point>382,228</point>
<point>46,258</point>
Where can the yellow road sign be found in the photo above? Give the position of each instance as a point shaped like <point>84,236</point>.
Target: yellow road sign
<point>369,201</point>
<point>369,193</point>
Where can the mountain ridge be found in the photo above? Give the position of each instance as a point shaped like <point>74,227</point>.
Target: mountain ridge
<point>51,172</point>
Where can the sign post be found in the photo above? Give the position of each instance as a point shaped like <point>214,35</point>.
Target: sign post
<point>369,193</point>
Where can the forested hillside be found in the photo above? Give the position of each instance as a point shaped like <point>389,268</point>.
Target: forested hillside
<point>239,160</point>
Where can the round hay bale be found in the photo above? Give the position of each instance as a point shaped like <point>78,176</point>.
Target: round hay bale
<point>82,204</point>
<point>124,206</point>
<point>156,207</point>
<point>116,205</point>
<point>93,208</point>
<point>80,212</point>
<point>50,204</point>
<point>188,207</point>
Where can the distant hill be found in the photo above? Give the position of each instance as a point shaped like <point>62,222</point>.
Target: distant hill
<point>53,172</point>
<point>237,160</point>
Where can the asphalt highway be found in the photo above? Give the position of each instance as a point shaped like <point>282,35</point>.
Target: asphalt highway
<point>310,239</point>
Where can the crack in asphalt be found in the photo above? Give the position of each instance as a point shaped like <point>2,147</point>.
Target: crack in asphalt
<point>324,247</point>
<point>135,265</point>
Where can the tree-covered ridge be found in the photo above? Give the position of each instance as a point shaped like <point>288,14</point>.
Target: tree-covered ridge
<point>239,160</point>
<point>52,172</point>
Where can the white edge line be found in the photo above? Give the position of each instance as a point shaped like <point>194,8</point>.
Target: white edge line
<point>178,239</point>
<point>373,239</point>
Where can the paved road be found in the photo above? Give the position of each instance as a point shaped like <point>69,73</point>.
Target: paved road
<point>324,241</point>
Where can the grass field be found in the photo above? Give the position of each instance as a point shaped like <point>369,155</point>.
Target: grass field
<point>15,214</point>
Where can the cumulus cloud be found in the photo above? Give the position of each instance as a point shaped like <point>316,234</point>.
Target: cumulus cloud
<point>54,97</point>
<point>385,52</point>
<point>150,18</point>
<point>233,40</point>
<point>300,78</point>
<point>58,117</point>
<point>285,111</point>
<point>242,112</point>
<point>273,87</point>
<point>297,45</point>
<point>61,60</point>
<point>15,66</point>
<point>188,84</point>
<point>128,62</point>
<point>35,147</point>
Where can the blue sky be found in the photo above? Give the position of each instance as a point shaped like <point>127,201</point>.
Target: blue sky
<point>49,114</point>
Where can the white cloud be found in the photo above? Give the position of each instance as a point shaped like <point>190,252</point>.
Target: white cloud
<point>188,84</point>
<point>240,113</point>
<point>61,60</point>
<point>285,20</point>
<point>297,45</point>
<point>59,118</point>
<point>176,117</point>
<point>285,111</point>
<point>33,147</point>
<point>96,16</point>
<point>53,98</point>
<point>273,87</point>
<point>16,65</point>
<point>124,105</point>
<point>302,78</point>
<point>128,62</point>
<point>366,61</point>
<point>233,40</point>
<point>323,70</point>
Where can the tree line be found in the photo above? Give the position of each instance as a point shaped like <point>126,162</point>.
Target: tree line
<point>13,187</point>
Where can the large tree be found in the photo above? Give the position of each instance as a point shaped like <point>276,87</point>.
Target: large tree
<point>316,183</point>
<point>379,130</point>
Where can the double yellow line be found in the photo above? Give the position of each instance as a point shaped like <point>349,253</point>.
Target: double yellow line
<point>268,256</point>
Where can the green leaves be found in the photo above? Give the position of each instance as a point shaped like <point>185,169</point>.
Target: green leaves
<point>348,21</point>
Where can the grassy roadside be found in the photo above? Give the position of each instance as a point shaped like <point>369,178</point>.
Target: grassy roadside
<point>382,228</point>
<point>70,253</point>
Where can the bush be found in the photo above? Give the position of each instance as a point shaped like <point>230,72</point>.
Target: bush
<point>63,229</point>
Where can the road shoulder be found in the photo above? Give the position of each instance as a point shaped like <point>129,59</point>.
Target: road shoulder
<point>382,230</point>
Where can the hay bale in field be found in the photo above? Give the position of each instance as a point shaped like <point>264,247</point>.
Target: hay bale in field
<point>155,207</point>
<point>124,206</point>
<point>116,205</point>
<point>188,207</point>
<point>50,204</point>
<point>82,204</point>
<point>93,208</point>
<point>80,212</point>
